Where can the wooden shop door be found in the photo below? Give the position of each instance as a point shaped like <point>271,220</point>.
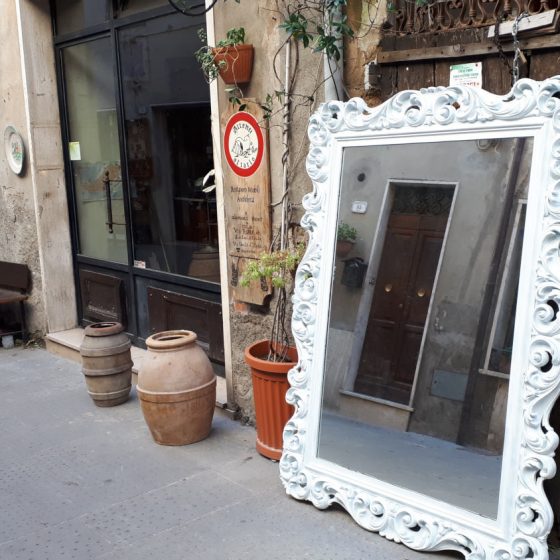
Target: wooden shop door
<point>402,293</point>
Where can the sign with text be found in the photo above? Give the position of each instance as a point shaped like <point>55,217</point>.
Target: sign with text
<point>246,196</point>
<point>468,74</point>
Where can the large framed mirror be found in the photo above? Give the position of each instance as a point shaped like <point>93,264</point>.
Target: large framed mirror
<point>429,352</point>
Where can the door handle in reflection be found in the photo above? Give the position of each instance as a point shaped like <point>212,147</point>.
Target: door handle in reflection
<point>107,185</point>
<point>388,287</point>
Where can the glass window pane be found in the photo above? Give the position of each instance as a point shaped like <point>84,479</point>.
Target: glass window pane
<point>74,15</point>
<point>135,6</point>
<point>169,147</point>
<point>94,150</point>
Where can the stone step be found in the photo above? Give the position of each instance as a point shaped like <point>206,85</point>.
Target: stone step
<point>67,345</point>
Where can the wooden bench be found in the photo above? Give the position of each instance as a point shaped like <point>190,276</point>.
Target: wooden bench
<point>15,280</point>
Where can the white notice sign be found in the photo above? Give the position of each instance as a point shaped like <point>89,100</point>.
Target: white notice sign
<point>469,74</point>
<point>74,149</point>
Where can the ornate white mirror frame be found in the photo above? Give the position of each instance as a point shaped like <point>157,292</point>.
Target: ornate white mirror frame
<point>532,109</point>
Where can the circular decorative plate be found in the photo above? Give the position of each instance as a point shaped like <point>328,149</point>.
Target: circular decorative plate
<point>15,150</point>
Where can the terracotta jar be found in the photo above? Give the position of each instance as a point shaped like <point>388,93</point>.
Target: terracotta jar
<point>270,383</point>
<point>176,388</point>
<point>106,363</point>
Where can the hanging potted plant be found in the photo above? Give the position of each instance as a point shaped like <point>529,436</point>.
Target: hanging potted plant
<point>346,236</point>
<point>231,58</point>
<point>271,359</point>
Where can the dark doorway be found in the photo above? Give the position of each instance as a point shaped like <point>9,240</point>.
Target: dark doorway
<point>404,285</point>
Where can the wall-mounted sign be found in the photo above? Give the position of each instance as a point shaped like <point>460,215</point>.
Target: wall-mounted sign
<point>468,74</point>
<point>74,151</point>
<point>243,144</point>
<point>15,149</point>
<point>246,197</point>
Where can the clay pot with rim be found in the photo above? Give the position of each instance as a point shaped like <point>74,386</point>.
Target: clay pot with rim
<point>238,63</point>
<point>106,363</point>
<point>344,247</point>
<point>270,383</point>
<point>176,388</point>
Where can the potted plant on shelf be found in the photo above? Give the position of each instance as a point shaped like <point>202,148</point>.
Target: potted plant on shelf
<point>231,58</point>
<point>271,359</point>
<point>345,238</point>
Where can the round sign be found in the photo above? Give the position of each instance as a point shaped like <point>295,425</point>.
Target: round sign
<point>243,144</point>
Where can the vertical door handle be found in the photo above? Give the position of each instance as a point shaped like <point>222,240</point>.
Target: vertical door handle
<point>107,185</point>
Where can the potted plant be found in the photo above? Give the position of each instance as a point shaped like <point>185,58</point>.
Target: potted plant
<point>345,238</point>
<point>271,359</point>
<point>231,58</point>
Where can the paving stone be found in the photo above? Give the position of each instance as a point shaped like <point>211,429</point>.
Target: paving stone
<point>78,481</point>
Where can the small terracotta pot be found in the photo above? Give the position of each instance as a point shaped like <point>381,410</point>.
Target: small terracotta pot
<point>238,65</point>
<point>343,247</point>
<point>270,383</point>
<point>176,388</point>
<point>106,363</point>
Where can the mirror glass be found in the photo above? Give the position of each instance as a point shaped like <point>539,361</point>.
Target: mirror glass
<point>423,300</point>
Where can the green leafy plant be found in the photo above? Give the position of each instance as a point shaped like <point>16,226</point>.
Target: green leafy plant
<point>206,55</point>
<point>346,232</point>
<point>278,267</point>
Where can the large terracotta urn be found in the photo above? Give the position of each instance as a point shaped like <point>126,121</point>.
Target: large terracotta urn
<point>270,383</point>
<point>106,363</point>
<point>176,388</point>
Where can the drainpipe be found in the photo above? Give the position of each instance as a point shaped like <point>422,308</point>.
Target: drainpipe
<point>333,71</point>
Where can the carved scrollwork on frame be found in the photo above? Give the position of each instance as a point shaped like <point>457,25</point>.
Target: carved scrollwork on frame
<point>437,110</point>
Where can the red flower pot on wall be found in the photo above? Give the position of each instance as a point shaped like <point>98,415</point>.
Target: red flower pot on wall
<point>238,65</point>
<point>270,383</point>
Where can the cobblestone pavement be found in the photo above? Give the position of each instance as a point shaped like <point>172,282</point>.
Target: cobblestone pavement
<point>81,482</point>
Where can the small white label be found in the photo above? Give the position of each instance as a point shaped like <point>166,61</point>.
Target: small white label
<point>469,74</point>
<point>139,264</point>
<point>75,152</point>
<point>359,207</point>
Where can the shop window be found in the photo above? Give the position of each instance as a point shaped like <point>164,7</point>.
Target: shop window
<point>129,7</point>
<point>75,15</point>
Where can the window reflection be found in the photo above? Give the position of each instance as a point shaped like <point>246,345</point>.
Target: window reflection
<point>422,309</point>
<point>169,149</point>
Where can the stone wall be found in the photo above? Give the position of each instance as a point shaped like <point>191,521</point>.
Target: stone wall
<point>251,323</point>
<point>18,228</point>
<point>34,225</point>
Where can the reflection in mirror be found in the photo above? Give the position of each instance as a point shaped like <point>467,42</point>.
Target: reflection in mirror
<point>422,316</point>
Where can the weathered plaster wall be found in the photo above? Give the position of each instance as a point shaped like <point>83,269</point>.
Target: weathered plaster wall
<point>34,227</point>
<point>260,20</point>
<point>18,229</point>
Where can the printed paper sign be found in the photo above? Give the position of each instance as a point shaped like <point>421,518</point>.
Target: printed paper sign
<point>469,74</point>
<point>74,149</point>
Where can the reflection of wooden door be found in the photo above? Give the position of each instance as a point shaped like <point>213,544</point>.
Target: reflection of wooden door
<point>400,304</point>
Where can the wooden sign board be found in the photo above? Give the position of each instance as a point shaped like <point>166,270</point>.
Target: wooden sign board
<point>246,196</point>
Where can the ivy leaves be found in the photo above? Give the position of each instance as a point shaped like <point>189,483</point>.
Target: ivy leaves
<point>322,34</point>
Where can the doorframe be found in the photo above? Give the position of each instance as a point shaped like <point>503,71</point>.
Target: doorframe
<point>366,299</point>
<point>222,240</point>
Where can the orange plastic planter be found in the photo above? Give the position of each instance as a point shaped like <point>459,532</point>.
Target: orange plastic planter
<point>270,383</point>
